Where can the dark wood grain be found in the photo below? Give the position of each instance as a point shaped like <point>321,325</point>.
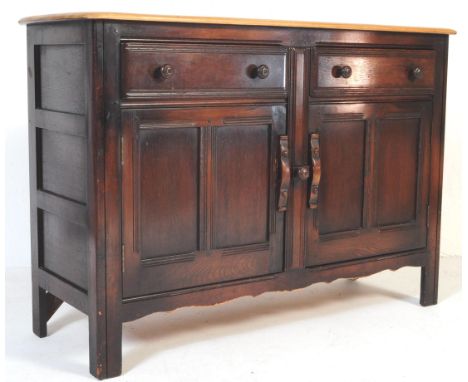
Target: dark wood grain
<point>155,164</point>
<point>55,69</point>
<point>361,210</point>
<point>188,218</point>
<point>397,146</point>
<point>62,164</point>
<point>341,193</point>
<point>219,69</point>
<point>64,249</point>
<point>61,78</point>
<point>373,70</point>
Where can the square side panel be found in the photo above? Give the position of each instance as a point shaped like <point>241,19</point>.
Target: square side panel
<point>60,78</point>
<point>62,164</point>
<point>63,248</point>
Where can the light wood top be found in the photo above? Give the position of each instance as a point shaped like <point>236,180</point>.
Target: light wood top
<point>228,21</point>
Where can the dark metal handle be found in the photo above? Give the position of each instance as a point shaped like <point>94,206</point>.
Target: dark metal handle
<point>165,71</point>
<point>316,169</point>
<point>262,71</point>
<point>344,71</point>
<point>285,173</point>
<point>416,73</point>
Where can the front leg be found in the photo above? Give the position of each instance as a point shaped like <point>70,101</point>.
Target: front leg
<point>429,283</point>
<point>105,347</point>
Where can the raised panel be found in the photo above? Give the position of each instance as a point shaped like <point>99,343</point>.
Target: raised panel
<point>167,171</point>
<point>397,153</point>
<point>241,203</point>
<point>60,84</point>
<point>62,164</point>
<point>341,193</point>
<point>198,195</point>
<point>374,187</point>
<point>63,248</point>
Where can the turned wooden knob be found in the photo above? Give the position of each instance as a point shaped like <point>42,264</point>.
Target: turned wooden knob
<point>416,73</point>
<point>342,71</point>
<point>263,71</point>
<point>303,173</point>
<point>165,71</point>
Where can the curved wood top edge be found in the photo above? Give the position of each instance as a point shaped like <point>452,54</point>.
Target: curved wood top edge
<point>228,21</point>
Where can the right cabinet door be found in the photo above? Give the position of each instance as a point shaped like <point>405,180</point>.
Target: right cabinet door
<point>369,194</point>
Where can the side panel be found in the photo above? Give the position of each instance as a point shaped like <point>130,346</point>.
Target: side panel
<point>58,154</point>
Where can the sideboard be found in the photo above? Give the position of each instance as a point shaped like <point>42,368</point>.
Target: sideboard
<point>180,161</point>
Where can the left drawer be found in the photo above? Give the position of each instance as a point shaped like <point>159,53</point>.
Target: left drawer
<point>154,70</point>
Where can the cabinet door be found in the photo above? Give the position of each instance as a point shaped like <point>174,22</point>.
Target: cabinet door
<point>199,192</point>
<point>373,189</point>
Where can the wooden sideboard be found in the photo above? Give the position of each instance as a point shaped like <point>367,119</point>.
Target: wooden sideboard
<point>188,161</point>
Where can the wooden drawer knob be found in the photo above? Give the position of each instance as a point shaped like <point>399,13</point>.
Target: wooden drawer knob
<point>416,73</point>
<point>262,71</point>
<point>165,71</point>
<point>302,173</point>
<point>342,71</point>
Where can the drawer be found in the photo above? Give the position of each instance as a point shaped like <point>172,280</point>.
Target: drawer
<point>342,70</point>
<point>154,70</point>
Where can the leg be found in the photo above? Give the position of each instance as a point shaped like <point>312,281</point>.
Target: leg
<point>39,311</point>
<point>105,348</point>
<point>429,283</point>
<point>44,306</point>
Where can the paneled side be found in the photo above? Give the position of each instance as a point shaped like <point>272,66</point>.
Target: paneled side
<point>167,170</point>
<point>62,164</point>
<point>341,193</point>
<point>58,131</point>
<point>241,187</point>
<point>397,170</point>
<point>61,78</point>
<point>63,248</point>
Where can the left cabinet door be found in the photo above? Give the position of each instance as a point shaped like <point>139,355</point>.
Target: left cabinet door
<point>199,196</point>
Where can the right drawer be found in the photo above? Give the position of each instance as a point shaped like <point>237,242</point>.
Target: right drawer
<point>351,70</point>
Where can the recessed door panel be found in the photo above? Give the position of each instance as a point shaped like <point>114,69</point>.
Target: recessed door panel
<point>168,164</point>
<point>341,195</point>
<point>241,203</point>
<point>397,148</point>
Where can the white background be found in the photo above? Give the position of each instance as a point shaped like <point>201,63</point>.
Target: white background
<point>14,171</point>
<point>397,12</point>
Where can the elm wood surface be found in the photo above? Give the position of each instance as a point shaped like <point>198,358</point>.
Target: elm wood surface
<point>225,21</point>
<point>172,197</point>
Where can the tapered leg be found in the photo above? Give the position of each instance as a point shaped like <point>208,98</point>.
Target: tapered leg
<point>105,349</point>
<point>429,284</point>
<point>39,313</point>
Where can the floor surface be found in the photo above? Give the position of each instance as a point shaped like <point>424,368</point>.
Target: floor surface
<point>372,329</point>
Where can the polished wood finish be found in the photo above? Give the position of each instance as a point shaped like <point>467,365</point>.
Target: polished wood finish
<point>182,164</point>
<point>349,68</point>
<point>188,218</point>
<point>220,69</point>
<point>226,21</point>
<point>373,195</point>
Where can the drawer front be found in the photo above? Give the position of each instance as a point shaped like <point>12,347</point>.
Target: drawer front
<point>161,70</point>
<point>340,70</point>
